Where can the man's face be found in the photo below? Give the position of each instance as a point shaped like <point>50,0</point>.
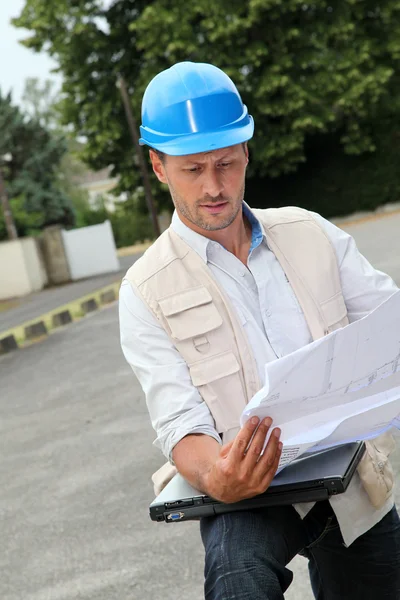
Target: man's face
<point>207,188</point>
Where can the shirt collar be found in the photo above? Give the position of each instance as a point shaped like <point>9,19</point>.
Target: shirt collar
<point>257,231</point>
<point>200,243</point>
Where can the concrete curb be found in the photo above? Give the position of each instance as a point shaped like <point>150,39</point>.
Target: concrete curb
<point>62,318</point>
<point>36,330</point>
<point>89,305</point>
<point>107,297</point>
<point>8,344</point>
<point>42,326</point>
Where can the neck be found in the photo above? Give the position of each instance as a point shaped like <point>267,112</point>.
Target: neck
<point>236,238</point>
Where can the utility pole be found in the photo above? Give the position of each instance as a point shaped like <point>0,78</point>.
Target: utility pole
<point>8,216</point>
<point>139,151</point>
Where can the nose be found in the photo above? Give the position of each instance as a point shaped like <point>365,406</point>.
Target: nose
<point>212,184</point>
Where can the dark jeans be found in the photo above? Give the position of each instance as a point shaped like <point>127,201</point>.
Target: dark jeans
<point>247,553</point>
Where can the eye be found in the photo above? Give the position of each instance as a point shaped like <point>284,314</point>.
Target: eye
<point>192,169</point>
<point>225,164</point>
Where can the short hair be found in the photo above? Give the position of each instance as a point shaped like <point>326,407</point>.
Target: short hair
<point>161,155</point>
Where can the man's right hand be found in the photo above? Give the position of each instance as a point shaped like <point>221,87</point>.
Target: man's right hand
<point>241,471</point>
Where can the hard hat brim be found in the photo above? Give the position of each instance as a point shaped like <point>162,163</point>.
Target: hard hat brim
<point>205,141</point>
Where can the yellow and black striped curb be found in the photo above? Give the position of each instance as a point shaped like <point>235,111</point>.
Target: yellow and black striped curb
<point>39,328</point>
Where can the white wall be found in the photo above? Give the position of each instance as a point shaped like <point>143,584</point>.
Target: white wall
<point>21,272</point>
<point>34,264</point>
<point>90,250</point>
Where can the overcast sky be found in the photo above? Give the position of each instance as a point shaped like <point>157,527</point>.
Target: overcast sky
<point>16,62</point>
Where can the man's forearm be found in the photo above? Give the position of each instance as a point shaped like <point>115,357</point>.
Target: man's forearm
<point>237,470</point>
<point>194,457</point>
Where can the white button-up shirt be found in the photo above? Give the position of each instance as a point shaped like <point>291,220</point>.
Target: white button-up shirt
<point>268,310</point>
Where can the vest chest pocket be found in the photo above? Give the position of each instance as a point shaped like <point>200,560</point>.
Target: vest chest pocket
<point>219,383</point>
<point>190,313</point>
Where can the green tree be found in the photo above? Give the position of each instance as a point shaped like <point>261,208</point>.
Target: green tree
<point>92,49</point>
<point>39,102</point>
<point>31,174</point>
<point>302,69</point>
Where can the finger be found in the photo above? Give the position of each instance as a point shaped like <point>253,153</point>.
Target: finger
<point>270,474</point>
<point>257,443</point>
<point>226,448</point>
<point>242,439</point>
<point>267,459</point>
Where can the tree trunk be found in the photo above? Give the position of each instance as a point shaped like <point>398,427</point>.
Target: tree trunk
<point>139,151</point>
<point>8,216</point>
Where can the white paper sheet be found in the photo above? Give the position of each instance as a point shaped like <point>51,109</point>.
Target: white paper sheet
<point>343,387</point>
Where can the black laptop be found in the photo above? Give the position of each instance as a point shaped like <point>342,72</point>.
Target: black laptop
<point>310,478</point>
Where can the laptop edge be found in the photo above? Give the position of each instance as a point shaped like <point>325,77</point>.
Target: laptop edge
<point>307,491</point>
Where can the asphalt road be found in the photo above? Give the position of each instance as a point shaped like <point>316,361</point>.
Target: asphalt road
<point>379,241</point>
<point>76,458</point>
<point>75,477</point>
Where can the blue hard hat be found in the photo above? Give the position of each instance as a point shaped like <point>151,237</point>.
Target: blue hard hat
<point>193,107</point>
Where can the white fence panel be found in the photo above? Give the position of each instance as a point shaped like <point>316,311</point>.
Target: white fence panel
<point>34,263</point>
<point>21,270</point>
<point>91,251</point>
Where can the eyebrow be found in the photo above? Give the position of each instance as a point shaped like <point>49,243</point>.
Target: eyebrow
<point>223,157</point>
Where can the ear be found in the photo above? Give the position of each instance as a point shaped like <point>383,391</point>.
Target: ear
<point>246,151</point>
<point>158,167</point>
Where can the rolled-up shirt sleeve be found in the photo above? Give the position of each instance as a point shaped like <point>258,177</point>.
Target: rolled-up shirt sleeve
<point>364,287</point>
<point>175,406</point>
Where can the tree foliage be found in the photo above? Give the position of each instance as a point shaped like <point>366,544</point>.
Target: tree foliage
<point>39,102</point>
<point>302,69</point>
<point>334,184</point>
<point>31,173</point>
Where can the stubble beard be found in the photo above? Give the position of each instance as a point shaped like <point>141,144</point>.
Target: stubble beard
<point>194,216</point>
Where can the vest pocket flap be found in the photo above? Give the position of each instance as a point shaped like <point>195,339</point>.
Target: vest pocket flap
<point>191,298</point>
<point>334,309</point>
<point>190,313</point>
<point>213,368</point>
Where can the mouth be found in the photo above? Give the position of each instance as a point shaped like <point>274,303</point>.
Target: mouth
<point>215,207</point>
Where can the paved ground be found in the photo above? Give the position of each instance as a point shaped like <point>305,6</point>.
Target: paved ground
<point>75,487</point>
<point>76,458</point>
<point>379,241</point>
<point>77,454</point>
<point>37,304</point>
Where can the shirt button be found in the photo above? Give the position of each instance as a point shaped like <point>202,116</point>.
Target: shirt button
<point>242,274</point>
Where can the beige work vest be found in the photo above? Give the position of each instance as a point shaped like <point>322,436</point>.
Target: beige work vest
<point>180,290</point>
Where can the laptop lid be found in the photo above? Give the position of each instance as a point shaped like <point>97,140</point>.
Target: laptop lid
<point>312,477</point>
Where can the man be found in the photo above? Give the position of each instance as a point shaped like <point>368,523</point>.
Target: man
<point>223,291</point>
